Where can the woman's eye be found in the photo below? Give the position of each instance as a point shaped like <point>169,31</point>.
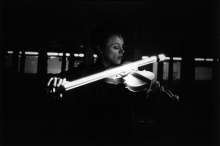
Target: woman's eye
<point>115,47</point>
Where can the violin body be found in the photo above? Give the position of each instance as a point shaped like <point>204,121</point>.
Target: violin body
<point>139,80</point>
<point>134,81</point>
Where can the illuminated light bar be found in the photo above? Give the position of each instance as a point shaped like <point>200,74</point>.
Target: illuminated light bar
<point>177,58</point>
<point>60,54</point>
<point>81,55</point>
<point>95,55</point>
<point>167,58</point>
<point>199,59</point>
<point>162,57</point>
<point>10,52</point>
<point>52,54</point>
<point>76,55</point>
<point>67,54</point>
<point>209,59</point>
<point>31,53</point>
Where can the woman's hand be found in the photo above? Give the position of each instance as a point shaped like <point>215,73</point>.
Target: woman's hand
<point>55,84</point>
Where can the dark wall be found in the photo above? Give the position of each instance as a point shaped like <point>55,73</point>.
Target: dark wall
<point>176,28</point>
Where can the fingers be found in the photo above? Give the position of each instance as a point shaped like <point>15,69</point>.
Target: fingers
<point>59,82</point>
<point>53,90</point>
<point>64,81</point>
<point>56,82</point>
<point>157,84</point>
<point>49,82</point>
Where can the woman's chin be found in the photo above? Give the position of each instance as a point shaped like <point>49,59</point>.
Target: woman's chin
<point>118,62</point>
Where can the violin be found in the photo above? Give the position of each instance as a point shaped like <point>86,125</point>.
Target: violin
<point>134,81</point>
<point>127,74</point>
<point>129,69</point>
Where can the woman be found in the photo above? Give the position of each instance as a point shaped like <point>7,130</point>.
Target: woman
<point>110,54</point>
<point>105,107</point>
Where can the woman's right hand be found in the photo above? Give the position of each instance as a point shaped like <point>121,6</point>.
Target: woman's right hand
<point>55,84</point>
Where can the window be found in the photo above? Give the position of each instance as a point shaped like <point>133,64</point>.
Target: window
<point>203,73</point>
<point>165,70</point>
<point>176,70</point>
<point>54,62</point>
<point>31,62</point>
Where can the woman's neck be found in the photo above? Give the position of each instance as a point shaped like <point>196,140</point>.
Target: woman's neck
<point>106,64</point>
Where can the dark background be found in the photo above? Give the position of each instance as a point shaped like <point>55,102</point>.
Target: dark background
<point>185,27</point>
<point>177,28</point>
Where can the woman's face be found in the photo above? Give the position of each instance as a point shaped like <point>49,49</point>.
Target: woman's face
<point>113,52</point>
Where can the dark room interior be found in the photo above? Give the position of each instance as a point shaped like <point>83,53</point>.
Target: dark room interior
<point>40,39</point>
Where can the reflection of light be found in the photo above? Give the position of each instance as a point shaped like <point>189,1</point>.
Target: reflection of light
<point>10,52</point>
<point>177,58</point>
<point>67,54</point>
<point>60,54</point>
<point>209,59</point>
<point>76,55</point>
<point>52,57</point>
<point>31,53</point>
<point>199,59</point>
<point>95,55</point>
<point>167,58</point>
<point>163,57</point>
<point>81,55</point>
<point>52,54</point>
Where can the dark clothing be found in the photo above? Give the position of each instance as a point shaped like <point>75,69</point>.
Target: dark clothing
<point>100,112</point>
<point>105,113</point>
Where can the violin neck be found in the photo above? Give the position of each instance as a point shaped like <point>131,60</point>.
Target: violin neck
<point>108,73</point>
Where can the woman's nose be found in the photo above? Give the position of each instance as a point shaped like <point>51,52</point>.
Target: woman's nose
<point>122,51</point>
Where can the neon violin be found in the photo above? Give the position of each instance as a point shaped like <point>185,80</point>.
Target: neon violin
<point>127,74</point>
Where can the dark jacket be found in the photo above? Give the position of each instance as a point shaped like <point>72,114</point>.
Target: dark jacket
<point>98,111</point>
<point>105,113</point>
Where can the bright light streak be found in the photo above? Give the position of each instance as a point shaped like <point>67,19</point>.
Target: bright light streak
<point>52,54</point>
<point>177,58</point>
<point>95,55</point>
<point>67,54</point>
<point>209,59</point>
<point>163,57</point>
<point>199,59</point>
<point>167,58</point>
<point>10,52</point>
<point>60,54</point>
<point>81,55</point>
<point>76,55</point>
<point>31,53</point>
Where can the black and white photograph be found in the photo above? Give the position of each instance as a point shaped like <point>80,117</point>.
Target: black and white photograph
<point>110,72</point>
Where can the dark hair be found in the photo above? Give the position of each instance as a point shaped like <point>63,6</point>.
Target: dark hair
<point>101,34</point>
